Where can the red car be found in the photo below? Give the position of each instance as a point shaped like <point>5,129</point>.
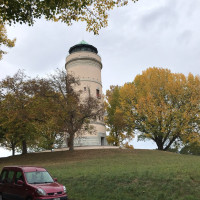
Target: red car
<point>29,183</point>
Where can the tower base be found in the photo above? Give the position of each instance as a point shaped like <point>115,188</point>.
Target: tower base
<point>92,140</point>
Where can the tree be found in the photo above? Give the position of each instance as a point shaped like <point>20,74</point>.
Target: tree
<point>49,135</point>
<point>163,106</point>
<point>4,41</point>
<point>44,115</point>
<point>191,148</point>
<point>73,112</point>
<point>36,113</point>
<point>9,124</point>
<point>93,12</point>
<point>118,129</point>
<point>15,107</point>
<point>59,109</point>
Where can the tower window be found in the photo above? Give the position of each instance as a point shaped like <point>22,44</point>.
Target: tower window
<point>85,88</point>
<point>98,94</point>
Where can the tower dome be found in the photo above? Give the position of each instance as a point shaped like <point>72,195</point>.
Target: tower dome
<point>83,46</point>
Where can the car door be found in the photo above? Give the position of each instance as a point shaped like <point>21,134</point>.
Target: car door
<point>20,190</point>
<point>8,192</point>
<point>2,181</point>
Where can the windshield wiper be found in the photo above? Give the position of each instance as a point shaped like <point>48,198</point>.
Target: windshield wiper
<point>40,182</point>
<point>36,183</point>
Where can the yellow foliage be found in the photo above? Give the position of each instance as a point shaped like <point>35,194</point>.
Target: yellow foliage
<point>115,119</point>
<point>94,13</point>
<point>163,106</point>
<point>4,39</point>
<point>128,146</point>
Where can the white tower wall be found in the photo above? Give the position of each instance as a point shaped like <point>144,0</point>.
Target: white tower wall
<point>87,66</point>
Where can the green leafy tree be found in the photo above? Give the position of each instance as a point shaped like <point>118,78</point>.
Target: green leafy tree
<point>163,107</point>
<point>191,148</point>
<point>118,129</point>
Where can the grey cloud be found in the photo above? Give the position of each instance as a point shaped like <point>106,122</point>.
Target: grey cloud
<point>148,33</point>
<point>185,37</point>
<point>159,19</point>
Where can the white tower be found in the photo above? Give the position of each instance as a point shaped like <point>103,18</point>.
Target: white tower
<point>84,62</point>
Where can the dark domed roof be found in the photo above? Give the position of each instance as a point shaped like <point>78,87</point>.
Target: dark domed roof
<point>83,46</point>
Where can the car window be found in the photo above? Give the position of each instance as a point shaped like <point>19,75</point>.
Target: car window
<point>38,177</point>
<point>3,176</point>
<point>10,176</point>
<point>19,176</point>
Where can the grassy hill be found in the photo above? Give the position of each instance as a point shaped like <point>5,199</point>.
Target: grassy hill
<point>120,174</point>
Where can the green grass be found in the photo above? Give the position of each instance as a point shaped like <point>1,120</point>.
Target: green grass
<point>120,174</point>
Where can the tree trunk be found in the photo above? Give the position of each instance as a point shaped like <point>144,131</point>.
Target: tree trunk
<point>13,149</point>
<point>159,145</point>
<point>170,143</point>
<point>50,147</point>
<point>71,142</point>
<point>24,147</point>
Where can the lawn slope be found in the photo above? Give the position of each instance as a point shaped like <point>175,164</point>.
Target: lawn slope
<point>120,174</point>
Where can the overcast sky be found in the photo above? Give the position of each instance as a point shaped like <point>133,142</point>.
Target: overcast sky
<point>160,33</point>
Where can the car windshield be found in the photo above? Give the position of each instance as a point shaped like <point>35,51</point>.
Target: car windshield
<point>38,177</point>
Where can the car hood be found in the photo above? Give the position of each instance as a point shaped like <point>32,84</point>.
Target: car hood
<point>50,187</point>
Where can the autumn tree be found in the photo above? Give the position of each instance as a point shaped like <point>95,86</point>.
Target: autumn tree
<point>15,109</point>
<point>60,109</point>
<point>163,106</point>
<point>4,41</point>
<point>49,135</point>
<point>44,115</point>
<point>36,113</point>
<point>93,12</point>
<point>27,119</point>
<point>73,112</point>
<point>9,124</point>
<point>118,129</point>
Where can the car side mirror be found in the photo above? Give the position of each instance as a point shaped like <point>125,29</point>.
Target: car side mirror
<point>55,180</point>
<point>20,182</point>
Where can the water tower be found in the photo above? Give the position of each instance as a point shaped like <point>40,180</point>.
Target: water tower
<point>84,62</point>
